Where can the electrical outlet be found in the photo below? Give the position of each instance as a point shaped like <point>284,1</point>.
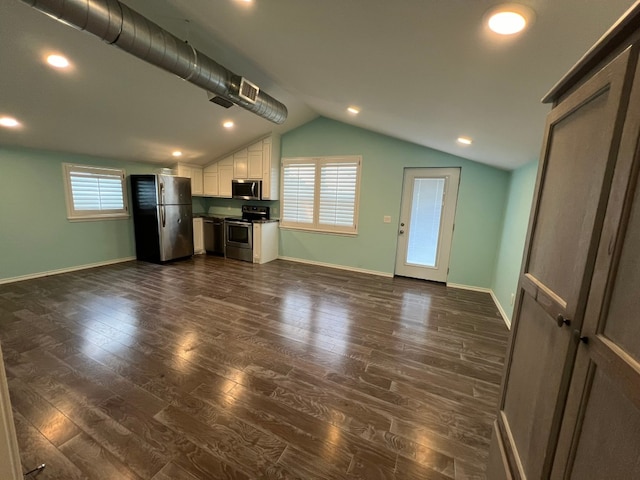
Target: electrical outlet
<point>386,219</point>
<point>513,298</point>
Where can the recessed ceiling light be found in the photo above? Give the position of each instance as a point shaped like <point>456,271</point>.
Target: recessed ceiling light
<point>57,61</point>
<point>509,18</point>
<point>464,140</point>
<point>228,124</point>
<point>353,110</point>
<point>177,153</point>
<point>9,122</point>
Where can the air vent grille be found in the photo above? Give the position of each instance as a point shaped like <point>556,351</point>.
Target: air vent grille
<point>248,91</point>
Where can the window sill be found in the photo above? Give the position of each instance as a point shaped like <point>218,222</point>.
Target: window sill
<point>97,218</point>
<point>315,230</point>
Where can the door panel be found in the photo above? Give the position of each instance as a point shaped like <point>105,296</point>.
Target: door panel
<point>582,140</point>
<point>602,420</point>
<point>426,222</point>
<point>562,236</point>
<point>609,442</point>
<point>530,414</point>
<point>619,326</point>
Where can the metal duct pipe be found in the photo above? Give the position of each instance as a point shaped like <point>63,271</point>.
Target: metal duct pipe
<point>117,24</point>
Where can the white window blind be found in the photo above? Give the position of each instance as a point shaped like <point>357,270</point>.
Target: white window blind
<point>298,193</point>
<point>321,193</point>
<point>94,193</point>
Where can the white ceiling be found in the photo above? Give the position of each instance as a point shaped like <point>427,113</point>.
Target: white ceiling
<point>426,71</point>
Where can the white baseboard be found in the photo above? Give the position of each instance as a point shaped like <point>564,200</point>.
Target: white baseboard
<point>339,267</point>
<point>503,314</point>
<point>469,287</point>
<point>64,270</point>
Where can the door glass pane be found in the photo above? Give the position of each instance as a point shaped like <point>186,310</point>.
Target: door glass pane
<point>426,211</point>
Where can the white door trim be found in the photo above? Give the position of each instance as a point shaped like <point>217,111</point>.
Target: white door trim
<point>10,467</point>
<point>440,272</point>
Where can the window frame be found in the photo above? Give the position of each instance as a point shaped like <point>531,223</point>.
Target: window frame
<point>92,215</point>
<point>316,226</point>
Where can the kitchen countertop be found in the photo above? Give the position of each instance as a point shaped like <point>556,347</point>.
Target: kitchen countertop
<point>208,215</point>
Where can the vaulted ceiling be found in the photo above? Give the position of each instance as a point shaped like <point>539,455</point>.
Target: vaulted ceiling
<point>425,71</point>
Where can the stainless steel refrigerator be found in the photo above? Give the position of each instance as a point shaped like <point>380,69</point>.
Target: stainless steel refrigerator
<point>162,217</point>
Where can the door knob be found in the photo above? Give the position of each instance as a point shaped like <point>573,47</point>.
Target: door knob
<point>561,321</point>
<point>577,336</point>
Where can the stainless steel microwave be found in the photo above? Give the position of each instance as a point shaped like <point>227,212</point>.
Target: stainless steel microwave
<point>246,189</point>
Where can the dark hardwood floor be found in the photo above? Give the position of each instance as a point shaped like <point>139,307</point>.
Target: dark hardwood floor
<point>213,368</point>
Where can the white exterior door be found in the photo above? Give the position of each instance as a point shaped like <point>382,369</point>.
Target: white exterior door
<point>427,215</point>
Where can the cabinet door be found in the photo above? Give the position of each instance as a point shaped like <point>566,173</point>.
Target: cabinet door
<point>257,242</point>
<point>240,164</point>
<point>183,170</point>
<point>255,165</point>
<point>226,162</point>
<point>196,181</point>
<point>225,176</point>
<point>600,435</point>
<point>198,235</point>
<point>267,187</point>
<point>581,141</point>
<point>210,184</point>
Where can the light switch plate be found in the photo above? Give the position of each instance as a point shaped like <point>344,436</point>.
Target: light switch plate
<point>386,219</point>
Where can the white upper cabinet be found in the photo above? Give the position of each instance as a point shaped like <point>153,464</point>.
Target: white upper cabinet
<point>240,164</point>
<point>193,172</point>
<point>211,184</point>
<point>254,161</point>
<point>271,168</point>
<point>258,161</point>
<point>225,176</point>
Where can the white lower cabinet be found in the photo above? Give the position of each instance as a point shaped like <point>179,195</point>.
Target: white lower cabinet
<point>265,242</point>
<point>198,235</point>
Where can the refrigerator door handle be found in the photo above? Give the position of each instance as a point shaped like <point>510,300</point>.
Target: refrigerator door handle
<point>162,192</point>
<point>163,216</point>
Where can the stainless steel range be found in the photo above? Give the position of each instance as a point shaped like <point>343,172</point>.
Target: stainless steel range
<point>239,232</point>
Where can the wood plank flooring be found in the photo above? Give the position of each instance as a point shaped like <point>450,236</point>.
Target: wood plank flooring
<point>219,369</point>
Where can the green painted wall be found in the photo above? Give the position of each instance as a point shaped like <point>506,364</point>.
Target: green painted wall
<point>516,221</point>
<point>36,235</point>
<point>481,202</point>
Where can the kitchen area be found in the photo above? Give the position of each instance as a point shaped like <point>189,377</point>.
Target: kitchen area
<point>235,202</point>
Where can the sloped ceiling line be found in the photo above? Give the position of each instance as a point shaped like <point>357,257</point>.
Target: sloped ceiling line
<point>117,24</point>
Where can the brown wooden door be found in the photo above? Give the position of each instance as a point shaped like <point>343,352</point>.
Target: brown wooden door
<point>581,146</point>
<point>600,435</point>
